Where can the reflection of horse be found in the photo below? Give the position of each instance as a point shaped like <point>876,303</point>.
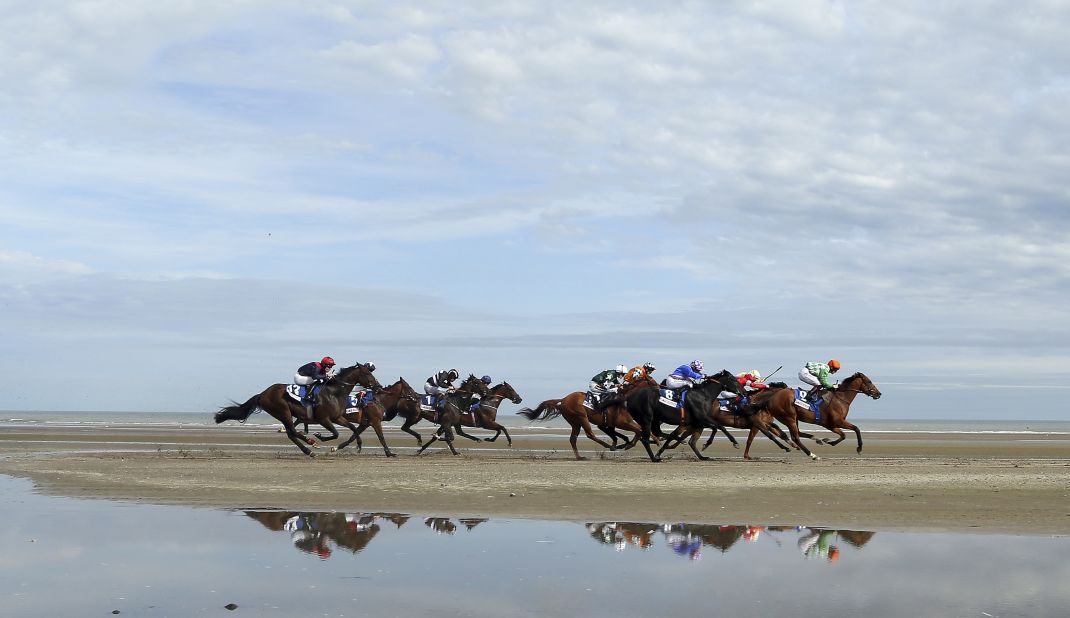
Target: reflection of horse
<point>486,413</point>
<point>330,407</point>
<point>450,414</point>
<point>781,404</point>
<point>315,532</point>
<point>621,534</point>
<point>646,408</point>
<point>374,411</point>
<point>608,419</point>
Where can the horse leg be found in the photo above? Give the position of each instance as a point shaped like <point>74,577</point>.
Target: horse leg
<point>348,424</point>
<point>793,428</point>
<point>377,425</point>
<point>750,438</point>
<point>672,440</point>
<point>587,429</point>
<point>858,434</point>
<point>710,440</point>
<point>407,428</point>
<point>329,426</point>
<point>693,443</point>
<point>291,433</point>
<point>728,435</point>
<point>423,447</point>
<point>460,431</point>
<point>500,429</point>
<point>448,437</point>
<point>572,440</point>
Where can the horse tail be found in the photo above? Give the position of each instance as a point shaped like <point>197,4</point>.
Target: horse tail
<point>544,411</point>
<point>238,412</point>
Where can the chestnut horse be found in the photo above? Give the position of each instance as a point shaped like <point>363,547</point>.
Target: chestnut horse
<point>486,414</point>
<point>781,404</point>
<point>330,408</point>
<point>450,415</point>
<point>579,417</point>
<point>374,411</point>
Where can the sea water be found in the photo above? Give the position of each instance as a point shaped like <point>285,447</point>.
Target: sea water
<point>76,557</point>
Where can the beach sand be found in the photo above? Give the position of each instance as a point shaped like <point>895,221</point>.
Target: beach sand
<point>993,483</point>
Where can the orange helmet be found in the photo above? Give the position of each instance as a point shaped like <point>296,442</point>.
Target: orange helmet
<point>834,364</point>
<point>834,554</point>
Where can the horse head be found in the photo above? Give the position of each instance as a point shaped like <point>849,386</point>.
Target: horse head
<point>860,382</point>
<point>407,391</point>
<point>725,381</point>
<point>349,377</point>
<point>507,391</point>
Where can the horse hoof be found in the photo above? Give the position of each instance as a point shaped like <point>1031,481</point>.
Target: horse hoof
<point>389,454</point>
<point>581,459</point>
<point>311,455</point>
<point>735,446</point>
<point>334,449</point>
<point>815,457</point>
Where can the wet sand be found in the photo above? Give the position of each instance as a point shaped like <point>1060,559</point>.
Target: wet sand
<point>1017,484</point>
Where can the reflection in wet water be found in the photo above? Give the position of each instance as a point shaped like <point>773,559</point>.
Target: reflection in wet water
<point>146,560</point>
<point>688,540</point>
<point>322,533</point>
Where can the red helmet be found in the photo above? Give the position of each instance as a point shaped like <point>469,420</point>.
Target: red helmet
<point>327,360</point>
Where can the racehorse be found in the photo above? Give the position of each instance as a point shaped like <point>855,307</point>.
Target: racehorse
<point>450,414</point>
<point>371,414</point>
<point>647,410</point>
<point>329,409</point>
<point>486,413</point>
<point>781,404</point>
<point>756,422</point>
<point>579,417</point>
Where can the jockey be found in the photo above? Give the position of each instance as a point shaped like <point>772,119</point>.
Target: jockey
<point>639,373</point>
<point>607,381</point>
<point>476,398</point>
<point>817,376</point>
<point>685,376</point>
<point>360,391</point>
<point>311,374</point>
<point>441,384</point>
<point>751,380</point>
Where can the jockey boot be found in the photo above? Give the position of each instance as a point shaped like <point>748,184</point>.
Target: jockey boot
<point>812,396</point>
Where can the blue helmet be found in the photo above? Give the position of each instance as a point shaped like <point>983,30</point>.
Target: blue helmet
<point>696,365</point>
<point>485,380</point>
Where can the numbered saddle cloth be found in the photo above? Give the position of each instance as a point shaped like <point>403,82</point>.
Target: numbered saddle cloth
<point>298,392</point>
<point>427,403</point>
<point>801,401</point>
<point>671,398</point>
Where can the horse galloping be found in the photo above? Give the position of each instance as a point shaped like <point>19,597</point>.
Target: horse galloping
<point>330,409</point>
<point>450,415</point>
<point>372,414</point>
<point>833,412</point>
<point>579,417</point>
<point>485,414</point>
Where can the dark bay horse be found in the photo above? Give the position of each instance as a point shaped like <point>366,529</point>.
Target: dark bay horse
<point>756,422</point>
<point>486,415</point>
<point>330,407</point>
<point>372,414</point>
<point>450,415</point>
<point>644,406</point>
<point>579,417</point>
<point>781,404</point>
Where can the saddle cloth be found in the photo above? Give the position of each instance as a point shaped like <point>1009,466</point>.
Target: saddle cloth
<point>427,403</point>
<point>297,392</point>
<point>667,396</point>
<point>800,400</point>
<point>356,402</point>
<point>589,400</point>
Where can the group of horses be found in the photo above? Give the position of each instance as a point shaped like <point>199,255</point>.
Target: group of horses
<point>398,399</point>
<point>636,407</point>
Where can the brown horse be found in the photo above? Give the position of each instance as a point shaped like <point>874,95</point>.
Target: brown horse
<point>781,404</point>
<point>374,411</point>
<point>450,415</point>
<point>329,410</point>
<point>486,414</point>
<point>580,417</point>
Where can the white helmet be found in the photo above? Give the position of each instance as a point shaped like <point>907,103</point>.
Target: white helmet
<point>622,368</point>
<point>755,375</point>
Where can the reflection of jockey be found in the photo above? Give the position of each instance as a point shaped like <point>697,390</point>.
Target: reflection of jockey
<point>311,374</point>
<point>817,376</point>
<point>685,376</point>
<point>818,544</point>
<point>685,545</point>
<point>751,533</point>
<point>608,381</point>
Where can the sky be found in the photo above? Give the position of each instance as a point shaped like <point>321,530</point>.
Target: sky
<point>199,196</point>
